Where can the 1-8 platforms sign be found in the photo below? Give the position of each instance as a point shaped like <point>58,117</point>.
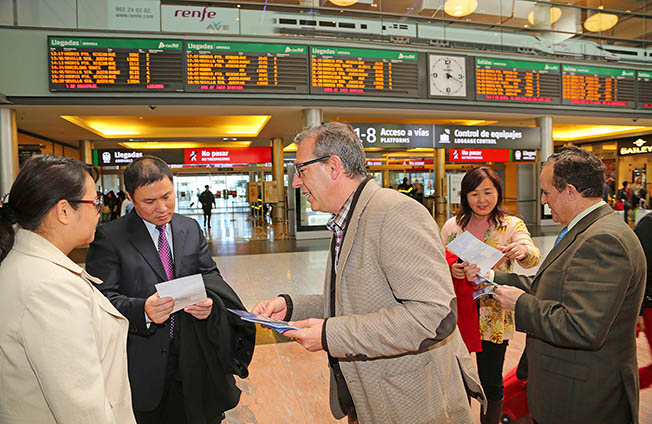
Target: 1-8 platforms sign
<point>488,137</point>
<point>394,136</point>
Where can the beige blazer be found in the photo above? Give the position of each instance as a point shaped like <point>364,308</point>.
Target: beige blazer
<point>62,343</point>
<point>394,328</point>
<point>580,314</point>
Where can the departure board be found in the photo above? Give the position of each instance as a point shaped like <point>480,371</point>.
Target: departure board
<point>590,85</point>
<point>517,81</point>
<point>115,64</point>
<point>363,72</point>
<point>644,90</point>
<point>246,67</point>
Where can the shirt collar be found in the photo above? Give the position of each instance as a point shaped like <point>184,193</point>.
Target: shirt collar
<point>584,213</point>
<point>338,220</point>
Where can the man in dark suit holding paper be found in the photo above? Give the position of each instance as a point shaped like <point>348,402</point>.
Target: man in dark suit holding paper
<point>580,309</point>
<point>150,245</point>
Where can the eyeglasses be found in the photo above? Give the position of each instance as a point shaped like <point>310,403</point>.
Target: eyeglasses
<point>299,166</point>
<point>97,203</point>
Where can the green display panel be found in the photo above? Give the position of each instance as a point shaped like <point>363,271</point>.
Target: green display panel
<point>115,64</point>
<point>213,66</point>
<point>517,81</point>
<point>594,86</point>
<point>335,70</point>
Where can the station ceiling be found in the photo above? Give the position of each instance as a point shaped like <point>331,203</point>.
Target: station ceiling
<point>216,124</point>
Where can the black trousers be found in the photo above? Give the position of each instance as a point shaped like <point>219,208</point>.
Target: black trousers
<point>207,217</point>
<point>171,409</point>
<point>490,368</point>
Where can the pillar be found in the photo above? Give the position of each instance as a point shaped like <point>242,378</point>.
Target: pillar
<point>278,212</point>
<point>8,149</point>
<point>311,117</point>
<point>440,186</point>
<point>547,149</point>
<point>86,151</point>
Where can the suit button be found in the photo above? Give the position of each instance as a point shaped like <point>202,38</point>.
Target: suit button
<point>164,351</point>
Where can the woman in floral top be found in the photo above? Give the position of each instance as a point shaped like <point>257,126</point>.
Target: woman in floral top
<point>482,215</point>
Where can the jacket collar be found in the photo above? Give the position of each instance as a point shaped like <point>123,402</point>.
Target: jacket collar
<point>572,234</point>
<point>32,244</point>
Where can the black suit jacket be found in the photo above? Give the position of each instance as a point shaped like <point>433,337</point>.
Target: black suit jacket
<point>123,255</point>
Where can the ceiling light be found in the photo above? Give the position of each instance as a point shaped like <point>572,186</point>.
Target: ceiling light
<point>161,145</point>
<point>343,3</point>
<point>292,147</point>
<point>555,14</point>
<point>460,8</point>
<point>600,21</point>
<point>591,131</point>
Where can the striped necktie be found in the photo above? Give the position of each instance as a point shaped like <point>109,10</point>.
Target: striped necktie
<point>560,236</point>
<point>168,265</point>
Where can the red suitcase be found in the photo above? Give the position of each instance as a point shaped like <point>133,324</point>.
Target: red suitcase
<point>515,409</point>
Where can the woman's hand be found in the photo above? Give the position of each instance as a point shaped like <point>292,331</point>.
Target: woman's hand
<point>514,251</point>
<point>457,270</point>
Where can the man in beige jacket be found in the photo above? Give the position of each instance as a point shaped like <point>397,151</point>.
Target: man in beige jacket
<point>387,317</point>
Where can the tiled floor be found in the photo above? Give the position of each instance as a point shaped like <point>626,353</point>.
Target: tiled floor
<point>288,384</point>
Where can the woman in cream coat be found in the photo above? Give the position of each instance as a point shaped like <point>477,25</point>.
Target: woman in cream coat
<point>62,343</point>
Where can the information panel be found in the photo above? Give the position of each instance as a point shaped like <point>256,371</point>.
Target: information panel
<point>364,72</point>
<point>590,85</point>
<point>517,81</point>
<point>246,67</point>
<point>645,90</point>
<point>115,64</point>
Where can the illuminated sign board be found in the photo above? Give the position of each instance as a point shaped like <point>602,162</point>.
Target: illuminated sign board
<point>246,67</point>
<point>394,136</point>
<point>115,64</point>
<point>227,156</point>
<point>487,137</point>
<point>363,72</point>
<point>523,155</point>
<point>517,81</point>
<point>478,155</point>
<point>594,86</point>
<point>634,146</point>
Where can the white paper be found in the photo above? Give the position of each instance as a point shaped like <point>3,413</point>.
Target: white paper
<point>185,290</point>
<point>470,249</point>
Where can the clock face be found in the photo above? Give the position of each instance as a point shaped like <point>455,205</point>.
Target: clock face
<point>447,76</point>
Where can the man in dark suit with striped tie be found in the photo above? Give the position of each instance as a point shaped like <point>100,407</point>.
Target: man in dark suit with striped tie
<point>580,309</point>
<point>149,245</point>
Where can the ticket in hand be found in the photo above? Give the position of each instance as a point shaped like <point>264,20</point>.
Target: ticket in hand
<point>274,324</point>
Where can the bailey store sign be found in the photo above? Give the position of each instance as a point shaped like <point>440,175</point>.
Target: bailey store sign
<point>634,147</point>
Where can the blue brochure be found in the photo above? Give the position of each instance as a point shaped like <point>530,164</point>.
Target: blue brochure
<point>274,324</point>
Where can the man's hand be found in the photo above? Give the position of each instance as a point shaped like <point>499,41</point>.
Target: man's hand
<point>158,309</point>
<point>457,270</point>
<point>200,310</point>
<point>507,296</point>
<point>275,308</point>
<point>309,333</point>
<point>514,251</point>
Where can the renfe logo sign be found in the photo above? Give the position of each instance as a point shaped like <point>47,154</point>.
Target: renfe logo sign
<point>478,155</point>
<point>197,19</point>
<point>218,155</point>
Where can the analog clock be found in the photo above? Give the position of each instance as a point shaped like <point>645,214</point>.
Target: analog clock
<point>447,75</point>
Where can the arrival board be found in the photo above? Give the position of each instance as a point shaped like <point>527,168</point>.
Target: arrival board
<point>364,72</point>
<point>115,64</point>
<point>593,86</point>
<point>245,67</point>
<point>517,81</point>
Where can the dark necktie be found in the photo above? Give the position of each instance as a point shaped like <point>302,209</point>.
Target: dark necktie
<point>561,235</point>
<point>166,258</point>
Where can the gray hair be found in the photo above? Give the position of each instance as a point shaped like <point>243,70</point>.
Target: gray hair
<point>579,168</point>
<point>337,139</point>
